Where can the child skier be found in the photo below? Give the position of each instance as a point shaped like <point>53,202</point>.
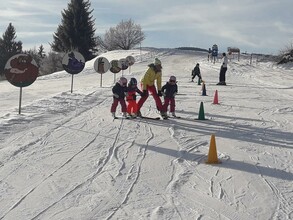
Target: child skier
<point>131,97</point>
<point>169,91</point>
<point>196,72</point>
<point>119,92</point>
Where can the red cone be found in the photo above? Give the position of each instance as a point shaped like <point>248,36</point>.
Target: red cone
<point>216,98</point>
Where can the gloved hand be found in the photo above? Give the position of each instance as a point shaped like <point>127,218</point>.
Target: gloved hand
<point>174,94</point>
<point>126,93</point>
<point>144,93</point>
<point>116,95</point>
<point>163,94</point>
<point>160,93</point>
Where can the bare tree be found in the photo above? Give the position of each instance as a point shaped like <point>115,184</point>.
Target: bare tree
<point>51,63</point>
<point>286,54</point>
<point>126,35</point>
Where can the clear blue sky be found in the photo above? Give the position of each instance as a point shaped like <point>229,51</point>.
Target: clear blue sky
<point>259,26</point>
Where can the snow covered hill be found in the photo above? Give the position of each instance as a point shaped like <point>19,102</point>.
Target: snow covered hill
<point>65,158</point>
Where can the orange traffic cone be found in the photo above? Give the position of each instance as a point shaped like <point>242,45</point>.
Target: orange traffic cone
<point>213,156</point>
<point>216,101</point>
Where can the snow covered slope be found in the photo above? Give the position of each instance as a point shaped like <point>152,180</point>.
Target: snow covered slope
<point>65,158</point>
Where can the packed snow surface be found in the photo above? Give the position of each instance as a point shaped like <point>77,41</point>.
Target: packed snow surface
<point>64,157</point>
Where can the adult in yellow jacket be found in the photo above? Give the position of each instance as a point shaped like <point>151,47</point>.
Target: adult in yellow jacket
<point>154,73</point>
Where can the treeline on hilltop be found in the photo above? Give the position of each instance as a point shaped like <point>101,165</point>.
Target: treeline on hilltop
<point>192,48</point>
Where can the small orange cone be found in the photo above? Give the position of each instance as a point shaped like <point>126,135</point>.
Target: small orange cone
<point>213,155</point>
<point>216,101</point>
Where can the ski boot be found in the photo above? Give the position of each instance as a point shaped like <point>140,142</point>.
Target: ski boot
<point>138,114</point>
<point>164,115</point>
<point>124,115</point>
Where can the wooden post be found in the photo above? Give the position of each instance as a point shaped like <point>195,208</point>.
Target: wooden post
<point>20,98</point>
<point>72,82</point>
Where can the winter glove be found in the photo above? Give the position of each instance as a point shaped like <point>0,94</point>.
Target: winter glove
<point>144,93</point>
<point>116,96</point>
<point>163,94</point>
<point>160,93</point>
<point>126,93</point>
<point>174,94</point>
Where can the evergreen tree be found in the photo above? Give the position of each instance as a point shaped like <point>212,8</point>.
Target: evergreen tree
<point>76,31</point>
<point>41,52</point>
<point>8,46</point>
<point>37,55</point>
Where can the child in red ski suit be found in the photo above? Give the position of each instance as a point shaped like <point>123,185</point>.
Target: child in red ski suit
<point>119,91</point>
<point>132,89</point>
<point>169,91</point>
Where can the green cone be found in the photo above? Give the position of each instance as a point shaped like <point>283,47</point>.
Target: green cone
<point>201,112</point>
<point>199,81</point>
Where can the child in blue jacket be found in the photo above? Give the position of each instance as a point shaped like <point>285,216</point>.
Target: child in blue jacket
<point>119,93</point>
<point>169,91</point>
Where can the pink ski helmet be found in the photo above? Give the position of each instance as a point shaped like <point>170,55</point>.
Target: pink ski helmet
<point>122,81</point>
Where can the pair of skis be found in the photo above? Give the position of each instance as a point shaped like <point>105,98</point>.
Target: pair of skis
<point>145,117</point>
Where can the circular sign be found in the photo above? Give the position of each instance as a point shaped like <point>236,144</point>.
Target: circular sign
<point>115,66</point>
<point>130,60</point>
<point>73,62</point>
<point>21,70</point>
<point>124,63</point>
<point>101,65</point>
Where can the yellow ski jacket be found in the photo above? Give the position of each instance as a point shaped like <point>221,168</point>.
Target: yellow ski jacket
<point>150,76</point>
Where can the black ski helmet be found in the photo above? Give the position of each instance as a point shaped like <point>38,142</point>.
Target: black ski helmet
<point>172,79</point>
<point>132,82</point>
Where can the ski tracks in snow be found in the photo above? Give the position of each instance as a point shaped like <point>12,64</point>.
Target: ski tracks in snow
<point>124,183</point>
<point>43,142</point>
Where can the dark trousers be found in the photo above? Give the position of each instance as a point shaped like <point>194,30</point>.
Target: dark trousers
<point>223,74</point>
<point>193,76</point>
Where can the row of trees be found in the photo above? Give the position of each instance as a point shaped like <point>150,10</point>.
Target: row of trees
<point>76,32</point>
<point>286,54</point>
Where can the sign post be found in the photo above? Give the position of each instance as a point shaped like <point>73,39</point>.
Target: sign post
<point>73,63</point>
<point>20,98</point>
<point>101,65</point>
<point>115,67</point>
<point>124,64</point>
<point>21,70</point>
<point>130,60</point>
